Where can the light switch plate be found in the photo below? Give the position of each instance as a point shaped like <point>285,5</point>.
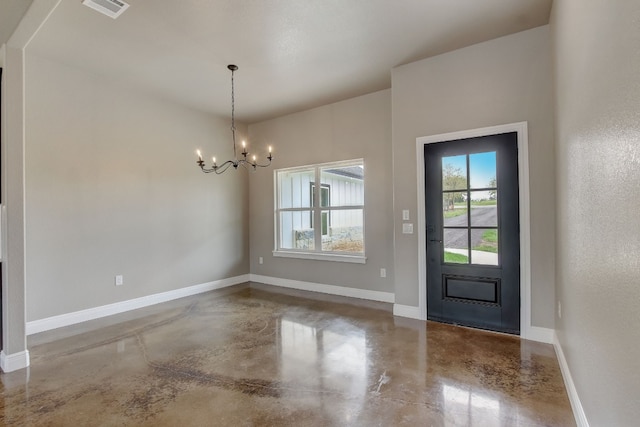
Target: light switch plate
<point>407,228</point>
<point>405,215</point>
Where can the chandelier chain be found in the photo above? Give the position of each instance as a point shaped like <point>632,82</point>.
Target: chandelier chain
<point>233,114</point>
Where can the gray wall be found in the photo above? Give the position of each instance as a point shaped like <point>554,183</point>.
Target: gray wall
<point>13,268</point>
<point>112,188</point>
<point>505,80</point>
<point>597,69</point>
<point>13,191</point>
<point>356,128</point>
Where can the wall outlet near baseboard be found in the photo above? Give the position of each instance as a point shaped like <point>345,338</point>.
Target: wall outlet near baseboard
<point>260,260</point>
<point>119,280</point>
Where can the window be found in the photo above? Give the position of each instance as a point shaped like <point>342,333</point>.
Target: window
<point>338,208</point>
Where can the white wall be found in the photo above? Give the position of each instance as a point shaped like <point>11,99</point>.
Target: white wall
<point>357,128</point>
<point>112,188</point>
<point>597,77</point>
<point>506,80</point>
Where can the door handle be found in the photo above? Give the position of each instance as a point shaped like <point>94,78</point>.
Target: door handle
<point>435,240</point>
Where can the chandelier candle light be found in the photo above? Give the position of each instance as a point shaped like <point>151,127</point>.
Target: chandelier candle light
<point>244,162</point>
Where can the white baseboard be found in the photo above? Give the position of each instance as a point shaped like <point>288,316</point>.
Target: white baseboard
<point>576,405</point>
<point>46,324</point>
<point>533,333</point>
<point>536,333</point>
<point>325,289</point>
<point>409,311</point>
<point>15,361</point>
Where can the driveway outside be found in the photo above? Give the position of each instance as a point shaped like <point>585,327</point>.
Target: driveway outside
<point>481,216</point>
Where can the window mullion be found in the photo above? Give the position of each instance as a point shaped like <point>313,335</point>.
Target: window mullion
<point>344,208</point>
<point>469,254</point>
<point>294,209</point>
<point>317,210</point>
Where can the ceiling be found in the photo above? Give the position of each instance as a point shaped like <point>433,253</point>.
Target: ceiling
<point>292,54</point>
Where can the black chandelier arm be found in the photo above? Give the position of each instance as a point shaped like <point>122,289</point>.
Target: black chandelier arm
<point>218,169</point>
<point>256,164</point>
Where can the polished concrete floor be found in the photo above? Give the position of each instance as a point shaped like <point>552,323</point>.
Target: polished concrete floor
<point>261,356</point>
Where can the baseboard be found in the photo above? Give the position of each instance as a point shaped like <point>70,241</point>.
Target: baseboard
<point>54,322</point>
<point>576,405</point>
<point>14,362</point>
<point>409,311</point>
<point>325,289</point>
<point>536,333</point>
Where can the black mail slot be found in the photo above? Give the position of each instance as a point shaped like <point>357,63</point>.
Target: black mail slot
<point>472,289</point>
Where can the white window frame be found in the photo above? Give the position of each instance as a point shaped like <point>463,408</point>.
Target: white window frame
<point>316,208</point>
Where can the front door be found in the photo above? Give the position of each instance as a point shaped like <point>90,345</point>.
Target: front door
<point>473,246</point>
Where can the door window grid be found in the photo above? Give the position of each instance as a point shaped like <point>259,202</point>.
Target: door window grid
<point>460,190</point>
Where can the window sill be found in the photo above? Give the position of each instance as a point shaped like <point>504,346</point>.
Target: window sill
<point>356,259</point>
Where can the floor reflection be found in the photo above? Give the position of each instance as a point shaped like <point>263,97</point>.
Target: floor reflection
<point>258,355</point>
<point>467,408</point>
<point>332,358</point>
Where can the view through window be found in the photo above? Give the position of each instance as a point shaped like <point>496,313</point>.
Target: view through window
<point>330,221</point>
<point>469,209</point>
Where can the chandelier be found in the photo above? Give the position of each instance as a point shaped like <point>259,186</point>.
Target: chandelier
<point>244,161</point>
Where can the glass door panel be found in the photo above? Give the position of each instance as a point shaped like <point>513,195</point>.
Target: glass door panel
<point>484,212</point>
<point>454,173</point>
<point>454,209</point>
<point>484,248</point>
<point>456,245</point>
<point>470,209</point>
<point>482,170</point>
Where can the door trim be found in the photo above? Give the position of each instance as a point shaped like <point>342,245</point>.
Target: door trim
<point>526,329</point>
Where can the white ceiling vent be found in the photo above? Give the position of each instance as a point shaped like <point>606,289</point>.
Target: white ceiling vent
<point>112,8</point>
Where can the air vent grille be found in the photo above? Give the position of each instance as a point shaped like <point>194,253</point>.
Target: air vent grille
<point>111,8</point>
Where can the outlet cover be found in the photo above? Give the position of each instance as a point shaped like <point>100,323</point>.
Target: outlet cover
<point>119,280</point>
<point>407,228</point>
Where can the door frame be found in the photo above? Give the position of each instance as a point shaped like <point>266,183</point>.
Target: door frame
<point>526,329</point>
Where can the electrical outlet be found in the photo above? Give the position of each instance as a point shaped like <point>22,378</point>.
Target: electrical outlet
<point>407,228</point>
<point>119,280</point>
<point>559,309</point>
<point>383,272</point>
<point>260,260</point>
